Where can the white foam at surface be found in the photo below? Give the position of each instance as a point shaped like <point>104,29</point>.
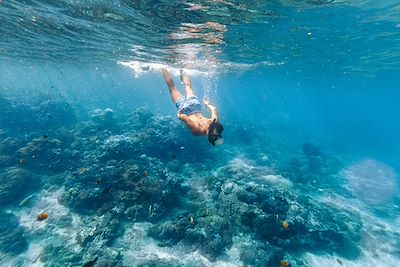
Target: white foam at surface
<point>208,68</point>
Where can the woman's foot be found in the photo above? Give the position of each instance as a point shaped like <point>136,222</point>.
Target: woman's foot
<point>184,78</point>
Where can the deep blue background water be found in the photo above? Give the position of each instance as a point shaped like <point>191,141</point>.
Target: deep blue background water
<point>354,116</point>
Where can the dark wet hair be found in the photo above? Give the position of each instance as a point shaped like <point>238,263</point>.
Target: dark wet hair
<point>214,131</point>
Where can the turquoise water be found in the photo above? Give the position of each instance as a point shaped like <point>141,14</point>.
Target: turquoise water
<point>308,95</point>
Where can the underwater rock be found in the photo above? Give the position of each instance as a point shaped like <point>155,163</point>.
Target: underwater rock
<point>8,147</point>
<point>246,196</point>
<point>134,213</point>
<point>55,252</point>
<point>162,136</point>
<point>85,200</point>
<point>45,154</point>
<point>151,197</point>
<point>171,232</point>
<point>274,215</point>
<point>142,188</point>
<point>64,221</point>
<point>99,231</point>
<point>94,199</point>
<point>314,167</point>
<point>274,203</point>
<point>372,181</point>
<point>139,118</point>
<point>194,236</point>
<point>218,231</point>
<point>160,263</point>
<point>43,112</point>
<point>229,187</point>
<point>212,235</point>
<point>15,183</point>
<point>105,120</point>
<point>120,147</point>
<point>132,174</point>
<point>54,113</point>
<point>260,254</point>
<point>12,236</point>
<point>6,161</point>
<point>311,150</point>
<point>230,206</point>
<point>108,263</point>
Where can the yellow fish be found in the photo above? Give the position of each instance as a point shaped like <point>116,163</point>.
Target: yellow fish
<point>285,224</point>
<point>284,263</point>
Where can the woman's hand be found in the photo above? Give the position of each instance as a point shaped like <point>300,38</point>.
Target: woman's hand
<point>180,115</point>
<point>206,101</point>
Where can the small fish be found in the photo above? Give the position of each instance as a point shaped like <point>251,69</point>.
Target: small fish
<point>21,162</point>
<point>339,261</point>
<point>191,220</point>
<point>42,216</point>
<point>82,170</point>
<point>107,189</point>
<point>98,181</point>
<point>285,224</point>
<point>113,16</point>
<point>91,263</point>
<point>285,263</point>
<point>45,136</point>
<point>277,217</point>
<point>38,257</point>
<point>27,199</point>
<point>145,173</point>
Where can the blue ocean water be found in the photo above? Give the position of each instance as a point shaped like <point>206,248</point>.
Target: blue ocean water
<point>97,170</point>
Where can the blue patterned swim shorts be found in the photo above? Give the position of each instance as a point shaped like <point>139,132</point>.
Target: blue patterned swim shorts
<point>189,105</point>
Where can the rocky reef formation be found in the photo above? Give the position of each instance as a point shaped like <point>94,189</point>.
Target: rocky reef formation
<point>114,172</point>
<point>15,183</point>
<point>12,236</point>
<point>261,205</point>
<point>41,113</point>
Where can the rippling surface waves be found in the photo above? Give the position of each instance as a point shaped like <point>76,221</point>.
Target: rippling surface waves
<point>357,36</point>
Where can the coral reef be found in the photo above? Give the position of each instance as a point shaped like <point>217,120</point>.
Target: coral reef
<point>39,114</point>
<point>12,236</point>
<point>15,182</point>
<point>116,172</point>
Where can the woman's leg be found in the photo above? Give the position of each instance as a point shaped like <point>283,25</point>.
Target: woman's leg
<point>188,85</point>
<point>175,94</point>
